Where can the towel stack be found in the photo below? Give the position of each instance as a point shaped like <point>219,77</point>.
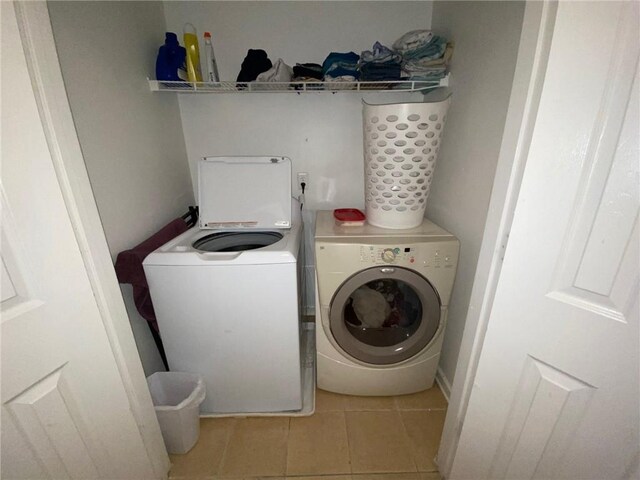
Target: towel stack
<point>425,56</point>
<point>418,55</point>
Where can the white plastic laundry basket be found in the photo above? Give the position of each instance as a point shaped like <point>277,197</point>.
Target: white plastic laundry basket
<point>401,144</point>
<point>176,398</point>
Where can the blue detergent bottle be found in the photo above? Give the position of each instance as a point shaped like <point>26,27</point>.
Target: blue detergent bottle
<point>170,64</point>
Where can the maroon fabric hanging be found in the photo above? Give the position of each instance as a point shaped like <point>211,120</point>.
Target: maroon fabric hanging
<point>129,267</point>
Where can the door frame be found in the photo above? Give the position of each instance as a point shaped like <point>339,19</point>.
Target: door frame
<point>57,121</point>
<point>531,65</point>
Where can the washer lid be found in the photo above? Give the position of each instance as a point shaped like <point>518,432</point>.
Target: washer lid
<point>244,192</point>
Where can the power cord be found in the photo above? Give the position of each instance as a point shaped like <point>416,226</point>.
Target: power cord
<point>301,197</point>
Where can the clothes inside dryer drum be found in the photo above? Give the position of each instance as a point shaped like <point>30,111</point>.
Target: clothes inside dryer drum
<point>411,317</point>
<point>402,313</point>
<point>236,241</point>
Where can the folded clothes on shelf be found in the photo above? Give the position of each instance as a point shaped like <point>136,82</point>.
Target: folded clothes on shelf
<point>343,82</point>
<point>307,71</point>
<point>338,65</point>
<point>341,78</point>
<point>374,72</point>
<point>417,55</point>
<point>279,72</point>
<point>379,63</point>
<point>379,54</point>
<point>253,65</point>
<point>276,75</point>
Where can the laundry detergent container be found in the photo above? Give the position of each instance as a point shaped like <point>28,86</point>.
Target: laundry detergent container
<point>176,398</point>
<point>401,144</point>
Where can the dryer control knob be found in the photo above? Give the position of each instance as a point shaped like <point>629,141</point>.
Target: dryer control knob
<point>388,255</point>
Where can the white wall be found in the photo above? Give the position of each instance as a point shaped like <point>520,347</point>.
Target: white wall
<point>320,132</point>
<point>131,138</point>
<point>486,36</point>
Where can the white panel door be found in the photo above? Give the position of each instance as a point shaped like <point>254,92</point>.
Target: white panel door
<point>556,394</point>
<point>65,412</point>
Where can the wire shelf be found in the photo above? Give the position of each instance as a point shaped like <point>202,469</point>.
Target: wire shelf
<point>297,87</point>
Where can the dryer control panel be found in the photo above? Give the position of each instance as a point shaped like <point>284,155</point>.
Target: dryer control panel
<point>407,255</point>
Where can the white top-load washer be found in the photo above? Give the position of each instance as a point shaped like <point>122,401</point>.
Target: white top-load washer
<point>226,293</point>
<point>382,298</point>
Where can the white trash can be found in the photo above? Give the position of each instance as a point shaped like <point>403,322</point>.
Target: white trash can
<point>177,397</point>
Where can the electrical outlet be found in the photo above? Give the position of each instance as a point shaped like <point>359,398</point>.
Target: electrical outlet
<point>303,177</point>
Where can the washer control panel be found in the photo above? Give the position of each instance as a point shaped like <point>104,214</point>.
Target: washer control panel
<point>438,257</point>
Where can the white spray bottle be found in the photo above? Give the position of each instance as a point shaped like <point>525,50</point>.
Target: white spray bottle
<point>210,59</point>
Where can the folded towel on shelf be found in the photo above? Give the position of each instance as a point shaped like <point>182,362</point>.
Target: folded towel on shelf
<point>338,65</point>
<point>430,75</point>
<point>420,45</point>
<point>253,65</point>
<point>430,51</point>
<point>412,41</point>
<point>419,63</point>
<point>427,69</point>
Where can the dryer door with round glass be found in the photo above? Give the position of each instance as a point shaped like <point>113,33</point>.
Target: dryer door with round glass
<point>384,315</point>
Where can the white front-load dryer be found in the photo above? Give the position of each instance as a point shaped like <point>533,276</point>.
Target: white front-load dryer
<point>381,305</point>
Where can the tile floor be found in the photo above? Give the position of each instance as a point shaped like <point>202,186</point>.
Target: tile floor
<point>347,438</point>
